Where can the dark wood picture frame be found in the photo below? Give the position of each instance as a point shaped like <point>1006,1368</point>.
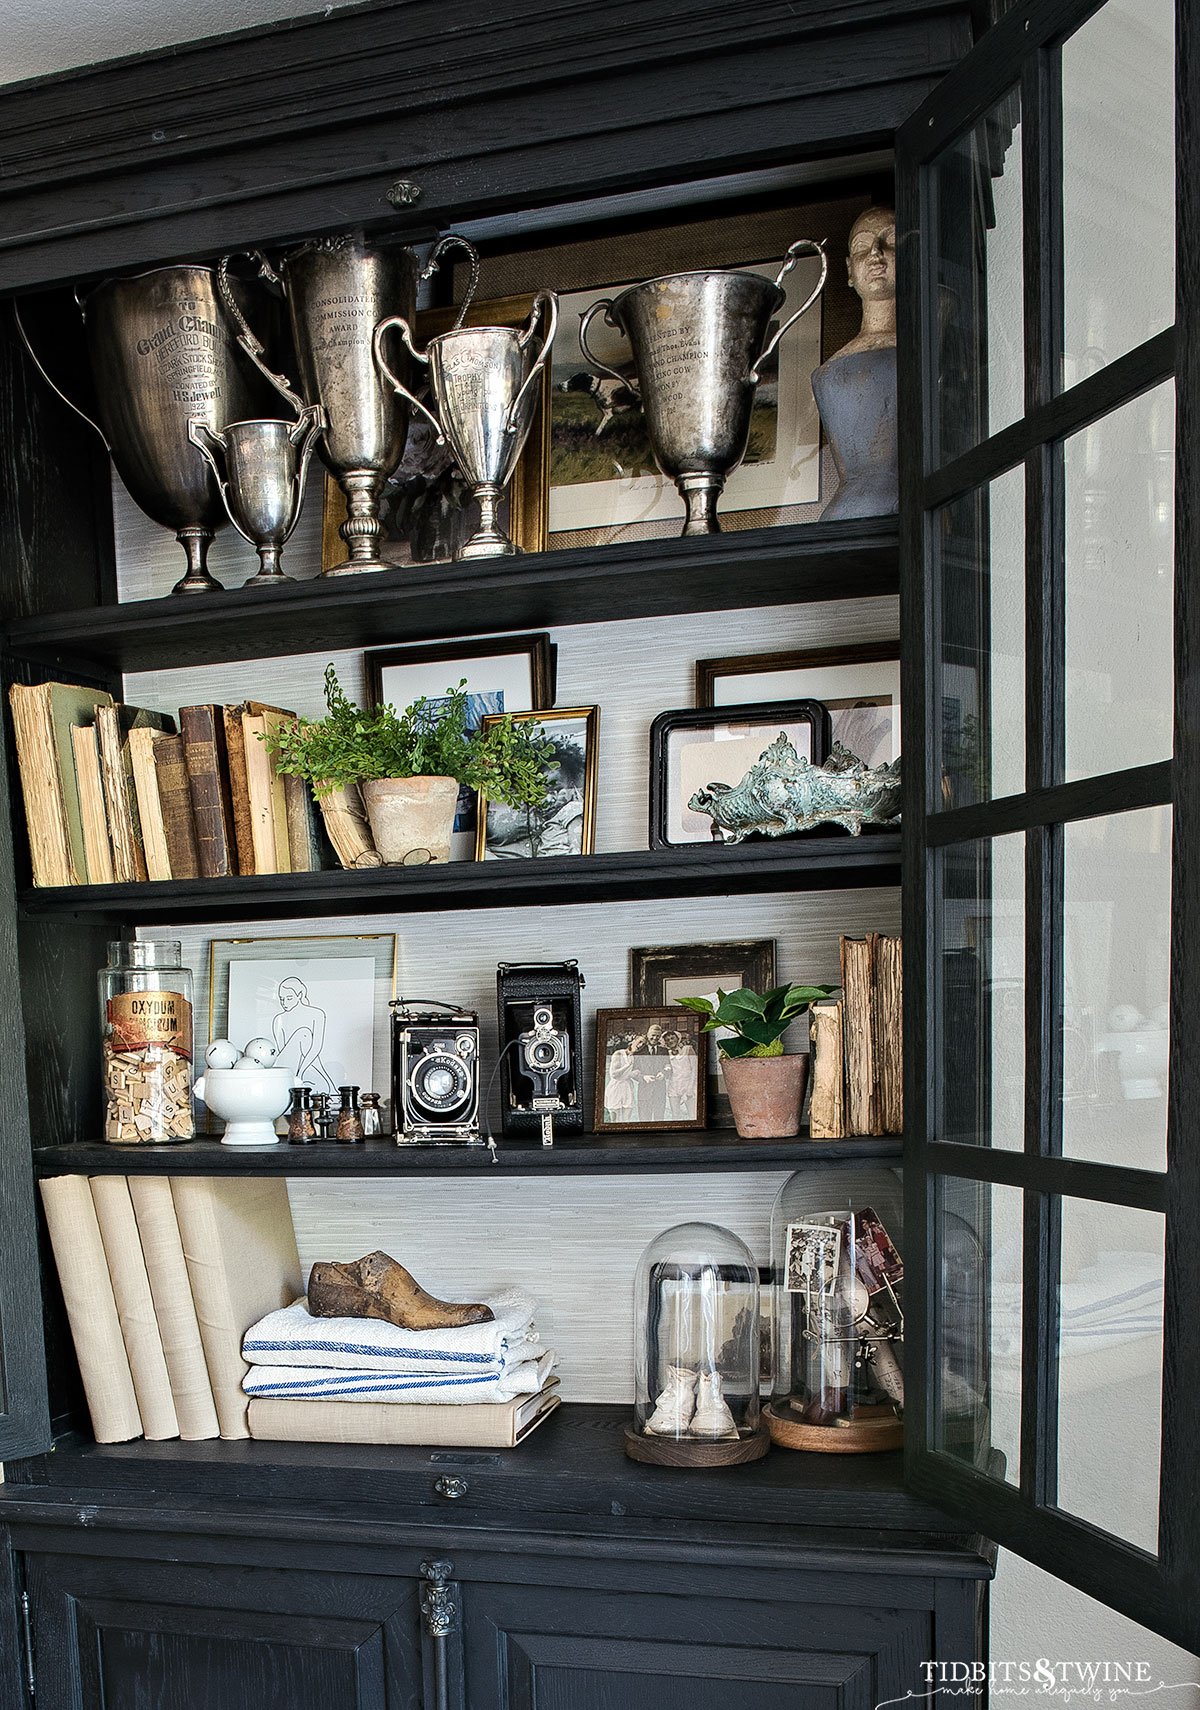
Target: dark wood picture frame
<point>809,712</point>
<point>651,966</point>
<point>537,645</point>
<point>709,672</point>
<point>678,1020</point>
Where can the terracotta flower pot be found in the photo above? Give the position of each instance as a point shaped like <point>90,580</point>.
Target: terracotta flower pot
<point>411,819</point>
<point>767,1095</point>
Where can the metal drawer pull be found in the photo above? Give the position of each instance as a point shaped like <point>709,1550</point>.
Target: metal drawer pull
<point>451,1488</point>
<point>440,1615</point>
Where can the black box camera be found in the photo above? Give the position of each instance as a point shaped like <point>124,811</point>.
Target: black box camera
<point>541,1058</point>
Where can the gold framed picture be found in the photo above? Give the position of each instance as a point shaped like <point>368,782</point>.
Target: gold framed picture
<point>427,509</point>
<point>565,824</point>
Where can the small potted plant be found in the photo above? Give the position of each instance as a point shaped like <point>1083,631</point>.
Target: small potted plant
<point>409,766</point>
<point>766,1089</point>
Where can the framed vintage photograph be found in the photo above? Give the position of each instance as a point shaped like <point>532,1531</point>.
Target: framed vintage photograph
<point>602,472</point>
<point>321,1001</point>
<point>662,974</point>
<point>860,685</point>
<point>565,824</point>
<point>427,509</point>
<point>649,1070</point>
<point>698,746</point>
<point>505,673</point>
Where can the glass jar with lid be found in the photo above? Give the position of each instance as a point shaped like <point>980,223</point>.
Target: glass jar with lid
<point>146,1043</point>
<point>838,1312</point>
<point>697,1351</point>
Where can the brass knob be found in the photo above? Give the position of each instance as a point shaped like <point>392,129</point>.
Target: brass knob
<point>451,1488</point>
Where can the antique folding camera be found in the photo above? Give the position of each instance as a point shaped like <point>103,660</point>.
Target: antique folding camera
<point>540,1056</point>
<point>435,1073</point>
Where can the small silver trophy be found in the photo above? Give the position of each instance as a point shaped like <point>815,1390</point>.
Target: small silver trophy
<point>483,382</point>
<point>261,467</point>
<point>699,344</point>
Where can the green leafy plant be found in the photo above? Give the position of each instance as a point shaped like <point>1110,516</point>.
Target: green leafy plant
<point>758,1022</point>
<point>350,746</point>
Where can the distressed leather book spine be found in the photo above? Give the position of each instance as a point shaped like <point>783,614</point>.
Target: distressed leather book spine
<point>208,776</point>
<point>239,789</point>
<point>175,799</point>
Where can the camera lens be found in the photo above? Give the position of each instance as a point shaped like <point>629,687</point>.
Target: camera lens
<point>439,1082</point>
<point>543,1053</point>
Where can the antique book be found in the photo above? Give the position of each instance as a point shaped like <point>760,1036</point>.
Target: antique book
<point>308,844</point>
<point>113,727</point>
<point>268,803</point>
<point>175,802</point>
<point>493,1425</point>
<point>97,850</point>
<point>241,1256</point>
<point>142,741</point>
<point>239,786</point>
<point>135,1306</point>
<point>858,999</point>
<point>43,714</point>
<point>827,1108</point>
<point>889,1033</point>
<point>91,1308</point>
<point>205,755</point>
<point>345,822</point>
<point>166,1269</point>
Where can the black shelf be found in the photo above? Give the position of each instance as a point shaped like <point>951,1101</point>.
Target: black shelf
<point>641,579</point>
<point>572,1155</point>
<point>815,861</point>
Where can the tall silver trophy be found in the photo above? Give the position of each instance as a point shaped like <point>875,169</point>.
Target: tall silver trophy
<point>338,289</point>
<point>261,467</point>
<point>699,343</point>
<point>484,389</point>
<point>162,352</point>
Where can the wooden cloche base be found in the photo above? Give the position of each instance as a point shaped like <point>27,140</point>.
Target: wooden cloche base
<point>695,1451</point>
<point>862,1437</point>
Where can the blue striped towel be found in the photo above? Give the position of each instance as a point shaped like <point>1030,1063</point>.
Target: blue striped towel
<point>291,1336</point>
<point>466,1387</point>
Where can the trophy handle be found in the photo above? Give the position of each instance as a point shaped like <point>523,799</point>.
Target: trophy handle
<point>208,442</point>
<point>57,390</point>
<point>452,240</point>
<point>421,356</point>
<point>545,307</point>
<point>802,246</point>
<point>248,340</point>
<point>585,322</point>
<point>304,436</point>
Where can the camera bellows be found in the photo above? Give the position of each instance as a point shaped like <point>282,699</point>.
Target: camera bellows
<point>377,1287</point>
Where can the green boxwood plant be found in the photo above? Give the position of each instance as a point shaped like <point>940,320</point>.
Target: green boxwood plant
<point>758,1022</point>
<point>351,746</point>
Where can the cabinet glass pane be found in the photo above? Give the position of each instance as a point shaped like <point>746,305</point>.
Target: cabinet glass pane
<point>1116,987</point>
<point>1118,136</point>
<point>979,1234</point>
<point>1120,554</point>
<point>980,1042</point>
<point>980,539</point>
<point>980,375</point>
<point>1110,1367</point>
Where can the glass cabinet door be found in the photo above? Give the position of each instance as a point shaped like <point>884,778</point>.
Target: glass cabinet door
<point>1052,1171</point>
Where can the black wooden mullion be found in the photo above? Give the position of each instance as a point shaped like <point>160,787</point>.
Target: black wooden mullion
<point>1071,1178</point>
<point>1083,798</point>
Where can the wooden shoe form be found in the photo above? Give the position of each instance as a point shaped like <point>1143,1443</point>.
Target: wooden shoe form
<point>376,1286</point>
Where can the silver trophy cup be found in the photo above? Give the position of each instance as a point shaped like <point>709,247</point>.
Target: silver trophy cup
<point>261,467</point>
<point>162,352</point>
<point>699,343</point>
<point>483,382</point>
<point>338,290</point>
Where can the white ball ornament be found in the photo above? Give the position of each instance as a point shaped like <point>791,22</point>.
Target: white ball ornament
<point>221,1055</point>
<point>261,1052</point>
<point>246,1063</point>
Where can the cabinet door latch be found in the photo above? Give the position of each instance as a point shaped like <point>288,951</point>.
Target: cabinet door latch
<point>27,1643</point>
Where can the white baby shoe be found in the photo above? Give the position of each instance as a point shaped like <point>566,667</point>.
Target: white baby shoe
<point>673,1409</point>
<point>712,1417</point>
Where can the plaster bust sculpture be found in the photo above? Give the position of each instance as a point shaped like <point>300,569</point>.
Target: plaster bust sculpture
<point>856,388</point>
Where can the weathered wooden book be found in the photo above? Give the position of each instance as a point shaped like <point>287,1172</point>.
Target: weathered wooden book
<point>491,1425</point>
<point>242,1262</point>
<point>43,716</point>
<point>135,1306</point>
<point>142,740</point>
<point>97,849</point>
<point>175,802</point>
<point>166,1269</point>
<point>113,727</point>
<point>858,999</point>
<point>827,1107</point>
<point>91,1308</point>
<point>308,841</point>
<point>239,784</point>
<point>889,1040</point>
<point>268,803</point>
<point>207,761</point>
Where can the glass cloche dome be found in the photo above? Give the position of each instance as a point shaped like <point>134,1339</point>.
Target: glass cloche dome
<point>696,1323</point>
<point>836,1246</point>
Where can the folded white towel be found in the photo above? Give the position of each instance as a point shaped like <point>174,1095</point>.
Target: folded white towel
<point>466,1387</point>
<point>291,1336</point>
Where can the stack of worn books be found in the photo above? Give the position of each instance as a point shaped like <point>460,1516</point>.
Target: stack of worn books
<point>857,1062</point>
<point>361,1380</point>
